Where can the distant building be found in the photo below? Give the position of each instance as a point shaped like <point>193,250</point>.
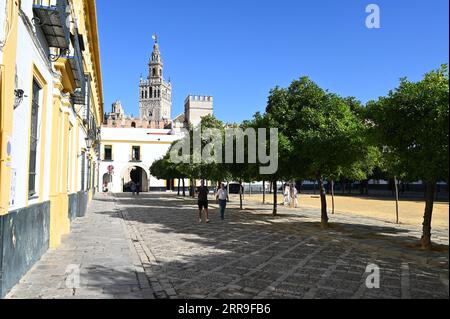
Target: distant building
<point>155,101</point>
<point>196,107</point>
<point>129,145</point>
<point>117,119</point>
<point>127,154</point>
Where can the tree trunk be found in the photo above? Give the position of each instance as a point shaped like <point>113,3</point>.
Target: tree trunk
<point>332,196</point>
<point>184,188</point>
<point>396,200</point>
<point>193,188</point>
<point>275,198</point>
<point>264,192</point>
<point>240,195</point>
<point>323,199</point>
<point>179,182</point>
<point>426,237</point>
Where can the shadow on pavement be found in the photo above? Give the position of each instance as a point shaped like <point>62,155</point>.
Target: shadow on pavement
<point>252,254</point>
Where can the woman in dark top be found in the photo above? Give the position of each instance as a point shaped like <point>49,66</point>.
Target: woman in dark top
<point>203,192</point>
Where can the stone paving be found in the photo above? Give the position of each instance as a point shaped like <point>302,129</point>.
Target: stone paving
<point>99,250</point>
<point>254,255</point>
<point>154,247</point>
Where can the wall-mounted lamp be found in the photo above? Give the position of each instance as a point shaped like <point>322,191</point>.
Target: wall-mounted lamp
<point>18,97</point>
<point>92,139</point>
<point>89,143</point>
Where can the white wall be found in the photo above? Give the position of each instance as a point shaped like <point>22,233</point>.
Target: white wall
<point>27,55</point>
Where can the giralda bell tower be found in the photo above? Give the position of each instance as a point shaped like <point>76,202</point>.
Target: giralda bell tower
<point>155,100</point>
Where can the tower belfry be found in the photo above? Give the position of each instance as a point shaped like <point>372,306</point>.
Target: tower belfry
<point>155,101</point>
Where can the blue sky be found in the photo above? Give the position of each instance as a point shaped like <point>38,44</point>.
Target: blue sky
<point>237,50</point>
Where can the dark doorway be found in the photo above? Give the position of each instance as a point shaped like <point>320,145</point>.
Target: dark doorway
<point>170,184</point>
<point>135,175</point>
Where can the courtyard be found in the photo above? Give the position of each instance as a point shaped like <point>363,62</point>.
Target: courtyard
<point>153,246</point>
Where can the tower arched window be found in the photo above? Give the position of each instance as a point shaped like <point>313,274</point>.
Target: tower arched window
<point>154,71</point>
<point>151,92</point>
<point>159,93</point>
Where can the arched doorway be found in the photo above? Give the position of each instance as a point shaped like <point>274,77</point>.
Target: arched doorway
<point>135,174</point>
<point>107,180</point>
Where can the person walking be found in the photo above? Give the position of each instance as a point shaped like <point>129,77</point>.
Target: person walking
<point>295,196</point>
<point>287,195</point>
<point>222,197</point>
<point>203,192</point>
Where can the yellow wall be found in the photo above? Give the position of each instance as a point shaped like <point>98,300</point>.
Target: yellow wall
<point>55,202</point>
<point>7,83</point>
<point>60,154</point>
<point>61,181</point>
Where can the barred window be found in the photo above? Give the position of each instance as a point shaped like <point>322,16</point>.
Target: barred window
<point>89,179</point>
<point>136,153</point>
<point>34,139</point>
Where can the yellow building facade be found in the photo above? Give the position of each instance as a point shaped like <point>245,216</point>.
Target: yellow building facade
<point>51,111</point>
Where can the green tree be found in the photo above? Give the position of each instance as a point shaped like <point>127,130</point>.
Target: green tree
<point>277,106</point>
<point>412,124</point>
<point>194,167</point>
<point>324,133</point>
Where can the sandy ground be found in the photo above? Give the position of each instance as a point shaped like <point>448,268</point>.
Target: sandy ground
<point>411,212</point>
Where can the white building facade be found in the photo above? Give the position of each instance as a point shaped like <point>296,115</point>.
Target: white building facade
<point>128,153</point>
<point>51,109</point>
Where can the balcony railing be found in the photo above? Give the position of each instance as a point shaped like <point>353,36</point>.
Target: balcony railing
<point>52,16</point>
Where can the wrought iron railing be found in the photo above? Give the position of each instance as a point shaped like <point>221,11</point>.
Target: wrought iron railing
<point>53,17</point>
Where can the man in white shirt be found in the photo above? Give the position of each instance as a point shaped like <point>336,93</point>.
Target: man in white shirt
<point>222,197</point>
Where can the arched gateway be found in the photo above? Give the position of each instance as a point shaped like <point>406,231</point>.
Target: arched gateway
<point>138,175</point>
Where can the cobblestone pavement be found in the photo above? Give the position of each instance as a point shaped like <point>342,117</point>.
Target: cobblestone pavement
<point>99,249</point>
<point>254,255</point>
<point>153,246</point>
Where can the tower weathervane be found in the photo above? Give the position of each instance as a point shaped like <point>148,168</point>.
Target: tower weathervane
<point>155,37</point>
